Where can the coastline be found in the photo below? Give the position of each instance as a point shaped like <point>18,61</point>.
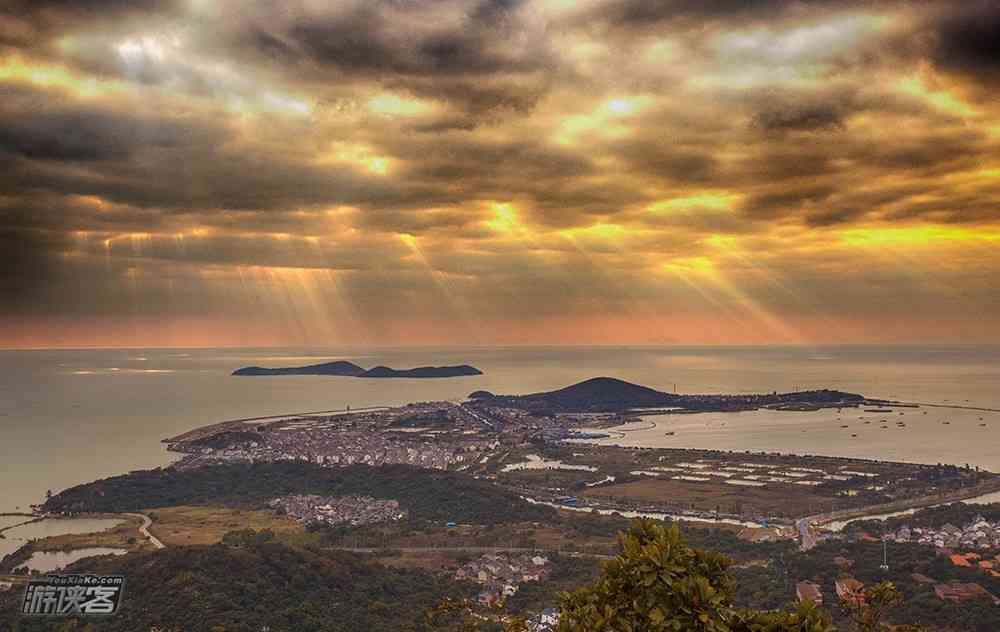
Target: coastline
<point>847,515</point>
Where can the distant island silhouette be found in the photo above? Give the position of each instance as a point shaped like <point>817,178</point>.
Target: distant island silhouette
<point>344,368</point>
<point>611,394</point>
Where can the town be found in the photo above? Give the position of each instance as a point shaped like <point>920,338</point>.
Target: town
<point>549,457</point>
<point>352,510</point>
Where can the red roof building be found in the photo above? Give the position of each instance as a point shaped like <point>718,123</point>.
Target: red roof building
<point>808,591</point>
<point>960,560</point>
<point>850,590</point>
<point>963,592</point>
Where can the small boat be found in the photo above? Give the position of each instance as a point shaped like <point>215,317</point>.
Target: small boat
<point>669,434</point>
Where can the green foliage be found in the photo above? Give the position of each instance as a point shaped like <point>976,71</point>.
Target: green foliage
<point>428,495</point>
<point>462,615</point>
<point>247,537</point>
<point>259,584</point>
<point>659,583</point>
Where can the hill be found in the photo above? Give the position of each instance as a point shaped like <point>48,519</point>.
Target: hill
<point>349,369</point>
<point>603,392</point>
<point>428,495</point>
<point>607,394</point>
<point>340,367</point>
<point>423,371</point>
<point>255,585</point>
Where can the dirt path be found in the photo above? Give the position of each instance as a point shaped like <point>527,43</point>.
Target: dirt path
<point>144,530</point>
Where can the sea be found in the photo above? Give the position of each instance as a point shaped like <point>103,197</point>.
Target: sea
<point>73,416</point>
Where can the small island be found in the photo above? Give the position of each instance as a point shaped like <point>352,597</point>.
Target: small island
<point>349,369</point>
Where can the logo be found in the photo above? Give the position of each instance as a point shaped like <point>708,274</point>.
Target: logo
<point>73,595</point>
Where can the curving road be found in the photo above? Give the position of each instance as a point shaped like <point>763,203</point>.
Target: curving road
<point>144,530</point>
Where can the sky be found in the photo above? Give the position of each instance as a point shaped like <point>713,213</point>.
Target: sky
<point>438,172</point>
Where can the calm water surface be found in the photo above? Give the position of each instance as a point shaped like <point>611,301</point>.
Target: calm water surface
<point>15,538</point>
<point>72,416</point>
<point>48,561</point>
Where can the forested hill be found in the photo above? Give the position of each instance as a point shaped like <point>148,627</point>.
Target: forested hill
<point>433,495</point>
<point>604,392</point>
<point>612,394</point>
<point>340,367</point>
<point>252,587</point>
<point>349,369</point>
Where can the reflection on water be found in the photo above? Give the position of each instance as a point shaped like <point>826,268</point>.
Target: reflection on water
<point>48,561</point>
<point>15,538</point>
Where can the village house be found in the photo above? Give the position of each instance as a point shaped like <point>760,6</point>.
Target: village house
<point>808,591</point>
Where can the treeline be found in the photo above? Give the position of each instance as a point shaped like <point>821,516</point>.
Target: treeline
<point>428,495</point>
<point>957,514</point>
<point>769,586</point>
<point>258,585</point>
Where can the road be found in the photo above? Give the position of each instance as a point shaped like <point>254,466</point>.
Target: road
<point>806,534</point>
<point>144,530</point>
<point>469,549</point>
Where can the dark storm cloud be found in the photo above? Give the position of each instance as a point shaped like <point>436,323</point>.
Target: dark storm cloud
<point>833,216</point>
<point>83,7</point>
<point>34,23</point>
<point>373,37</point>
<point>786,202</point>
<point>647,13</point>
<point>164,162</point>
<point>799,117</point>
<point>948,149</point>
<point>968,39</point>
<point>37,127</point>
<point>665,160</point>
<point>447,156</point>
<point>482,59</point>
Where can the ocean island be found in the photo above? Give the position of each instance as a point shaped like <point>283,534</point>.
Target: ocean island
<point>349,369</point>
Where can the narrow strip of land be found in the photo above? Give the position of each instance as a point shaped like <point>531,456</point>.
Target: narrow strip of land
<point>958,406</point>
<point>21,524</point>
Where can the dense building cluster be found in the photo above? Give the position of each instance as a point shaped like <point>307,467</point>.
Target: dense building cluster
<point>383,437</point>
<point>501,573</point>
<point>352,510</point>
<point>979,534</point>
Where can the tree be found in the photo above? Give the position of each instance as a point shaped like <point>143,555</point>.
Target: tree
<point>462,615</point>
<point>870,609</point>
<point>659,583</point>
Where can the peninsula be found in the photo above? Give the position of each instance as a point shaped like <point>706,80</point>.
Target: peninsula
<point>349,369</point>
<point>606,394</point>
